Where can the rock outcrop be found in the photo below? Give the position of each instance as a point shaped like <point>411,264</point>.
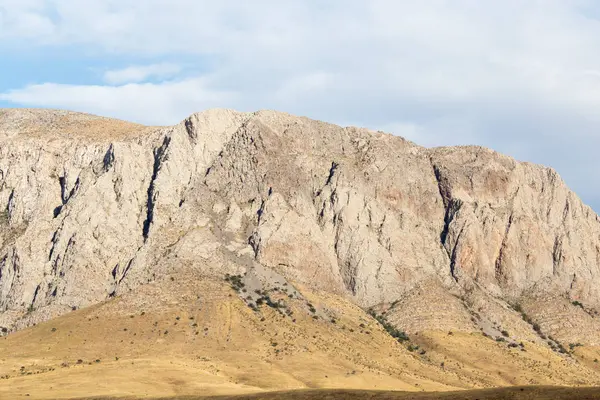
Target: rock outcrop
<point>93,207</point>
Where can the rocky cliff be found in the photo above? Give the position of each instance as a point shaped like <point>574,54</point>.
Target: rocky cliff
<point>91,208</point>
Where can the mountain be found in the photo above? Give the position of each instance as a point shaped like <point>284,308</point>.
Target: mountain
<point>420,268</point>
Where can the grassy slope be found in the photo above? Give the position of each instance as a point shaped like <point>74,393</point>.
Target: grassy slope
<point>195,336</point>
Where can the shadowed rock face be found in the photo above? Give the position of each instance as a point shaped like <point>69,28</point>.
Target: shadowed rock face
<point>92,207</point>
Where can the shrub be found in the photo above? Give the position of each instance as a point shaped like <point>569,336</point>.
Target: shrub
<point>518,308</point>
<point>577,304</point>
<point>573,345</point>
<point>235,281</point>
<point>505,334</point>
<point>562,349</point>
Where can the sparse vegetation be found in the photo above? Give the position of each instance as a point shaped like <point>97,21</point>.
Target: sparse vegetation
<point>412,348</point>
<point>572,346</point>
<point>235,281</point>
<point>394,332</point>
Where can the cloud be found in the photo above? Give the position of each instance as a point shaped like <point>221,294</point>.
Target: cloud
<point>520,76</point>
<point>140,73</point>
<point>25,19</point>
<point>148,103</point>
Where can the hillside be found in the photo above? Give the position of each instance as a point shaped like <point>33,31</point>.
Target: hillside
<point>278,252</point>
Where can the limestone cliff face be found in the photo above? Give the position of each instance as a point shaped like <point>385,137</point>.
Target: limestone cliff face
<point>91,207</point>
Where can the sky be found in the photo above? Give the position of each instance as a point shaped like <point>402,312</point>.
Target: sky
<point>519,76</point>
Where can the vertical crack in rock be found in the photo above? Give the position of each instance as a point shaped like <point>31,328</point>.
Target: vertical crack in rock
<point>9,271</point>
<point>255,240</point>
<point>453,256</point>
<point>11,205</point>
<point>63,193</point>
<point>452,207</point>
<point>125,271</point>
<point>119,277</point>
<point>556,255</point>
<point>62,181</point>
<point>498,263</point>
<point>160,155</point>
<point>442,182</point>
<point>189,127</point>
<point>109,158</point>
<point>332,170</point>
<point>35,295</point>
<point>566,211</point>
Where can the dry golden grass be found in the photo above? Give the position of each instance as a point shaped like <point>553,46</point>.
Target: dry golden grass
<point>58,124</point>
<point>196,337</point>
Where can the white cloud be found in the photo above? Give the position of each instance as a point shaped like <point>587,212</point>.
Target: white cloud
<point>140,73</point>
<point>146,103</point>
<point>25,19</point>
